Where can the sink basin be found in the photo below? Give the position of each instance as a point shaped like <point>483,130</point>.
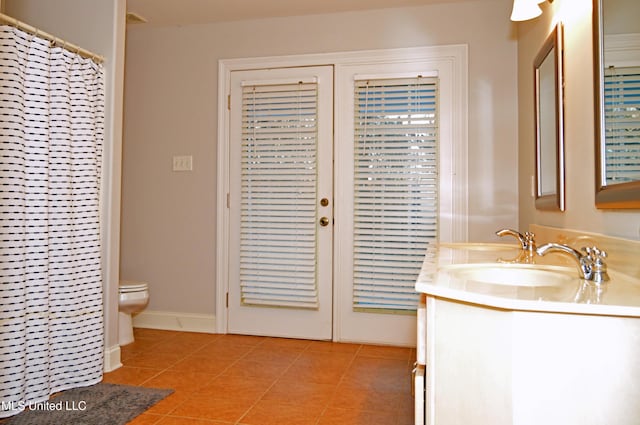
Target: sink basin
<point>513,274</point>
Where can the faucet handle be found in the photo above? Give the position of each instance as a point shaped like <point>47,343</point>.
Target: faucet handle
<point>598,266</point>
<point>530,240</point>
<point>594,253</point>
<point>598,253</point>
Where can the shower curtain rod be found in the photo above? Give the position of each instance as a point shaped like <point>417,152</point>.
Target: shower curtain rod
<point>57,41</point>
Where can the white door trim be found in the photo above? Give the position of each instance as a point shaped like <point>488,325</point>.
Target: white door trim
<point>455,55</point>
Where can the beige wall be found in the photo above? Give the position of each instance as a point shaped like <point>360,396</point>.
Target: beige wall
<point>168,218</point>
<point>581,213</point>
<point>98,26</point>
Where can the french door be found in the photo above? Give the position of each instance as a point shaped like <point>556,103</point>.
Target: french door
<point>281,202</point>
<point>339,179</point>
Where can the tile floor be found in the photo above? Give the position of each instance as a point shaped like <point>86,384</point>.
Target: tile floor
<point>234,379</point>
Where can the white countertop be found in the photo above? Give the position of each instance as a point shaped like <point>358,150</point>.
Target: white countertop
<point>438,277</point>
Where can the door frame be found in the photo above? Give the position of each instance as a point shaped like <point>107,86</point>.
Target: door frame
<point>456,56</point>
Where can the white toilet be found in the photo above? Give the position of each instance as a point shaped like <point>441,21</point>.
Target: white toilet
<point>132,298</point>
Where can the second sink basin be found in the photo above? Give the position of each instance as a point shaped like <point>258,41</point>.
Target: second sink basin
<point>512,274</point>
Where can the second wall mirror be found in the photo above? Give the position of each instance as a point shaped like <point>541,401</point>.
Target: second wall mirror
<point>616,42</point>
<point>549,134</point>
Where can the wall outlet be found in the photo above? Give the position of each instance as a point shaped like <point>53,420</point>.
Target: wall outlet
<point>183,163</point>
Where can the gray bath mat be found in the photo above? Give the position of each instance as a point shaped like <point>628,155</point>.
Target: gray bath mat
<point>101,404</point>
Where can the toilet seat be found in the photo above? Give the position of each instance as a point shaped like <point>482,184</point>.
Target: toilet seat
<point>131,286</point>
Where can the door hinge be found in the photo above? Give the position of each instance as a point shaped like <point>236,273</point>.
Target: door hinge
<point>229,102</point>
<point>228,200</point>
<point>227,300</point>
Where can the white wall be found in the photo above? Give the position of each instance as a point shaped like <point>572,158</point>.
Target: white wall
<point>581,213</point>
<point>168,219</point>
<point>98,26</point>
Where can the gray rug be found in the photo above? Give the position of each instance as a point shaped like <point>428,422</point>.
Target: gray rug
<point>101,404</point>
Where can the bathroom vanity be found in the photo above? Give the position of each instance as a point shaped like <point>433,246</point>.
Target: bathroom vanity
<point>507,339</point>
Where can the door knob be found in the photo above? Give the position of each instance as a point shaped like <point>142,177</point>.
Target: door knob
<point>324,221</point>
<point>324,202</point>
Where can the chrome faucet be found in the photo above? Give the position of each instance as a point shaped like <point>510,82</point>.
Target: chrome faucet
<point>591,263</point>
<point>527,241</point>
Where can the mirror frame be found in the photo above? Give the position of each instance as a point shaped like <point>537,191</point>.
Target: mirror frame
<point>621,195</point>
<point>552,45</point>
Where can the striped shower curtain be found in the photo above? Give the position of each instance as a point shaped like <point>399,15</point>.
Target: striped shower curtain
<point>51,134</point>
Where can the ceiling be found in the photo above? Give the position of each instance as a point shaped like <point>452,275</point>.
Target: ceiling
<point>186,12</point>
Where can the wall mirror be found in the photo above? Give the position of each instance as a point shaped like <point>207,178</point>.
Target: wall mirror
<point>549,137</point>
<point>616,42</point>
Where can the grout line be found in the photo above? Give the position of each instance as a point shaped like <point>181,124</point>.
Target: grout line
<point>275,381</point>
<point>346,370</point>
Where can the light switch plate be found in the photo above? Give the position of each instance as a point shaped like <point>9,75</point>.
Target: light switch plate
<point>183,163</point>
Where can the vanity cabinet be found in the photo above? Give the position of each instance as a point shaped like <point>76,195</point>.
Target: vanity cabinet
<point>488,365</point>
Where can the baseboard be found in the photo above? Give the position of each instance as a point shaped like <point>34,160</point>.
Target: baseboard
<point>112,358</point>
<point>172,321</point>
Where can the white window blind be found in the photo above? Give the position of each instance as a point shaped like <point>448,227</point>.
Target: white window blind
<point>395,194</point>
<point>278,206</point>
<point>622,130</point>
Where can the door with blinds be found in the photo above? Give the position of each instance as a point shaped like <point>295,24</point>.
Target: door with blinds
<point>388,206</point>
<point>281,202</point>
<point>395,189</point>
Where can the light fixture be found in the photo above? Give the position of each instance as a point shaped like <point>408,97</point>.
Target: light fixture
<point>526,9</point>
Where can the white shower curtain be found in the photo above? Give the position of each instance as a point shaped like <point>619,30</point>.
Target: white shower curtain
<point>51,135</point>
